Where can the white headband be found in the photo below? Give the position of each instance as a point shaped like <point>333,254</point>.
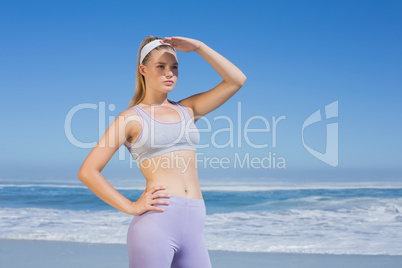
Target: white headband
<point>150,46</point>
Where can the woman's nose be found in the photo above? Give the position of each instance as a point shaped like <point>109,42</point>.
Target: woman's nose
<point>169,72</point>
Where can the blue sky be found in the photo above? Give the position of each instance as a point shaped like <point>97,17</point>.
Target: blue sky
<point>298,56</point>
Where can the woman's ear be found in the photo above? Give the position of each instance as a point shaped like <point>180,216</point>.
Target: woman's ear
<point>143,69</point>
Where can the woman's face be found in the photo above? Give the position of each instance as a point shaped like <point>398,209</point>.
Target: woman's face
<point>161,71</point>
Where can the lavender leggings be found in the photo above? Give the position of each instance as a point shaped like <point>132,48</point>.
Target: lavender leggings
<point>172,238</point>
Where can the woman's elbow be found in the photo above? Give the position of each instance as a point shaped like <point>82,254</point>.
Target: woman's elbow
<point>243,79</point>
<point>240,80</point>
<point>83,174</point>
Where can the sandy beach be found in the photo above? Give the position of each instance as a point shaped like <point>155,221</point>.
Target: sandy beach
<point>46,254</point>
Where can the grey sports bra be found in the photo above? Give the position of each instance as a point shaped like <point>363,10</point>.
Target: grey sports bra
<point>158,137</point>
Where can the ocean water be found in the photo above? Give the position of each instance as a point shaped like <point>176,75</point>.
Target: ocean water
<point>332,219</point>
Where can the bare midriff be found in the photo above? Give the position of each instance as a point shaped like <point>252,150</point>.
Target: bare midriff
<point>176,170</point>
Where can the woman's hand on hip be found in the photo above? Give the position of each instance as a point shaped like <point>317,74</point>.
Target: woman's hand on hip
<point>183,43</point>
<point>148,199</point>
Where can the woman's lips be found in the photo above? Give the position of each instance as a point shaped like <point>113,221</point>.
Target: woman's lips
<point>169,82</point>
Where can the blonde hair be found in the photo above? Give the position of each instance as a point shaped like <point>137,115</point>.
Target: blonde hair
<point>140,86</point>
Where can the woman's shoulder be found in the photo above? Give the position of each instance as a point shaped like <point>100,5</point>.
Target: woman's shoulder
<point>131,122</point>
<point>130,113</point>
<point>129,117</point>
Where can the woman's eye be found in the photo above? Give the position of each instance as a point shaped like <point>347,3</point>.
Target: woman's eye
<point>160,66</point>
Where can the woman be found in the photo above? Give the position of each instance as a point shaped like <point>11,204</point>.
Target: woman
<point>167,228</point>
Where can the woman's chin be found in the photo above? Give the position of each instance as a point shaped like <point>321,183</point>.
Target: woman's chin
<point>168,88</point>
